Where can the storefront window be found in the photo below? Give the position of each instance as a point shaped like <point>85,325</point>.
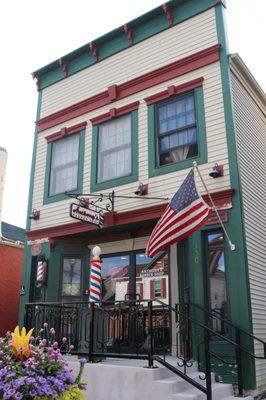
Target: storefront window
<point>217,274</point>
<point>152,277</point>
<point>115,277</point>
<point>71,277</point>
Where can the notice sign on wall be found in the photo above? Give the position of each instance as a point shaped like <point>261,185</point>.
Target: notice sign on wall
<point>87,215</point>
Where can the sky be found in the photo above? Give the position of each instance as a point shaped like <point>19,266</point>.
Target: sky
<point>35,32</point>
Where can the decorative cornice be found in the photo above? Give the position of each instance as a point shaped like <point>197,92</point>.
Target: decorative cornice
<point>94,49</point>
<point>129,32</point>
<point>115,112</point>
<point>169,15</point>
<point>174,90</point>
<point>113,219</point>
<point>63,66</point>
<point>150,79</point>
<point>66,132</point>
<point>112,92</point>
<point>38,79</point>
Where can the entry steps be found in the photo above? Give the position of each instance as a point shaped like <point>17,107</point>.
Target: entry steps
<point>120,379</point>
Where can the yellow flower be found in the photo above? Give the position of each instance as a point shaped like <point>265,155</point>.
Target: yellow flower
<point>21,342</point>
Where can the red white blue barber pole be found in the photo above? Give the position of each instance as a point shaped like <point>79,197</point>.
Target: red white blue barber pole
<point>95,276</point>
<point>40,272</point>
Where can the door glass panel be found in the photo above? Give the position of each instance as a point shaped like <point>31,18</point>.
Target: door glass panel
<point>152,278</point>
<point>218,293</point>
<point>115,277</point>
<point>71,278</point>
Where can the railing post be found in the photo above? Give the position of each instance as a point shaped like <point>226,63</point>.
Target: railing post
<point>91,341</point>
<point>239,363</point>
<point>150,335</point>
<point>208,364</point>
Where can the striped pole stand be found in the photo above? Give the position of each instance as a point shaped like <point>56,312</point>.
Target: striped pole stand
<point>40,272</point>
<point>95,276</point>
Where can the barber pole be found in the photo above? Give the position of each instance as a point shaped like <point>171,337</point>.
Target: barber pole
<point>40,272</point>
<point>95,276</point>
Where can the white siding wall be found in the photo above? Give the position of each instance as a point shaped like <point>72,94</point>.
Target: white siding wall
<point>193,35</point>
<point>164,185</point>
<point>251,147</point>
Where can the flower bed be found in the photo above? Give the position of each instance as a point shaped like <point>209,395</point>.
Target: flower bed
<point>34,368</point>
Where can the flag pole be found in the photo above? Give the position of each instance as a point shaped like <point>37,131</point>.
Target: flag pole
<point>231,245</point>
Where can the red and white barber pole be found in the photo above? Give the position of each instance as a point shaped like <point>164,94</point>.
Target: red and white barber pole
<point>41,271</point>
<point>95,276</point>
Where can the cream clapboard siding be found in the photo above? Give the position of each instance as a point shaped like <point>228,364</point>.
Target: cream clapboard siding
<point>165,185</point>
<point>250,127</point>
<point>193,35</point>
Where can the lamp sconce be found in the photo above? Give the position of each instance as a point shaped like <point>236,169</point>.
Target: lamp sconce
<point>22,290</point>
<point>142,189</point>
<point>217,171</point>
<point>35,214</point>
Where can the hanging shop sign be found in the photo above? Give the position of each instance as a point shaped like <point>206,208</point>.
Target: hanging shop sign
<point>85,214</point>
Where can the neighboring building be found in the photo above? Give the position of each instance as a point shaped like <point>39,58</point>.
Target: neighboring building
<point>140,104</point>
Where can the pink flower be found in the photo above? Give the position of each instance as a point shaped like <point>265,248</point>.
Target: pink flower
<point>71,347</point>
<point>1,353</point>
<point>52,331</point>
<point>55,344</point>
<point>10,343</point>
<point>64,339</point>
<point>45,325</point>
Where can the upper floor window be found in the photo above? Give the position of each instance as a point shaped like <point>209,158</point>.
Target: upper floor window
<point>114,155</point>
<point>176,130</point>
<point>64,165</point>
<point>115,149</point>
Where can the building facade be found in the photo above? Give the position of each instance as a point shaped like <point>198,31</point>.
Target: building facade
<point>139,105</point>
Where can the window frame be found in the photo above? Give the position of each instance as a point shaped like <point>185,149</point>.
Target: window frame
<point>47,198</point>
<point>133,176</point>
<point>153,137</point>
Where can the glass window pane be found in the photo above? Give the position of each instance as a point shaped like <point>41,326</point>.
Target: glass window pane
<point>115,277</point>
<point>114,153</point>
<point>64,165</point>
<point>218,293</point>
<point>71,277</point>
<point>153,277</point>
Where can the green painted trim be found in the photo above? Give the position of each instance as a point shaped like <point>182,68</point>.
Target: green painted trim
<point>144,27</point>
<point>133,177</point>
<point>61,196</point>
<point>202,158</point>
<point>33,162</point>
<point>238,279</point>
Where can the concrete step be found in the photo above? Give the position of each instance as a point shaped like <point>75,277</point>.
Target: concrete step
<point>219,391</point>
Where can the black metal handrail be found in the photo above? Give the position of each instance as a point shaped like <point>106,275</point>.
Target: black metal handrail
<point>214,314</point>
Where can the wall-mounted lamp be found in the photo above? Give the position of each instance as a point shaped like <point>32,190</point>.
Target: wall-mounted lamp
<point>35,214</point>
<point>22,290</point>
<point>142,189</point>
<point>217,171</point>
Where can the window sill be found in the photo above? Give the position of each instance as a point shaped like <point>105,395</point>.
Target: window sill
<point>166,169</point>
<point>57,197</point>
<point>114,182</point>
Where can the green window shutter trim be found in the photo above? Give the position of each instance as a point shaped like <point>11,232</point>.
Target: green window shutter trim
<point>201,158</point>
<point>133,177</point>
<point>61,196</point>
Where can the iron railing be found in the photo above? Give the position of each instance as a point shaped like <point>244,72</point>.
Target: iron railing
<point>145,329</point>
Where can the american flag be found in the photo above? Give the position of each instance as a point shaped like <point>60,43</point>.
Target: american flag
<point>185,213</point>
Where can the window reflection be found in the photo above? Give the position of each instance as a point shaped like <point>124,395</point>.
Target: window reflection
<point>115,277</point>
<point>218,293</point>
<point>152,277</point>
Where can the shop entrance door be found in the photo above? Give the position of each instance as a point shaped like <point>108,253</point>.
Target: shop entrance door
<point>71,279</point>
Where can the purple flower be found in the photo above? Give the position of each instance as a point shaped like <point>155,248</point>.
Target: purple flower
<point>55,344</point>
<point>52,331</point>
<point>82,361</point>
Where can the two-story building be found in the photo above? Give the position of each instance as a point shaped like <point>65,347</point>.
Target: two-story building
<point>139,105</point>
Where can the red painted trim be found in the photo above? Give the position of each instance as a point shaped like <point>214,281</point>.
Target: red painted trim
<point>112,219</point>
<point>128,30</point>
<point>63,65</point>
<point>93,48</point>
<point>153,78</point>
<point>115,112</point>
<point>112,92</point>
<point>169,15</point>
<point>66,132</point>
<point>174,90</point>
